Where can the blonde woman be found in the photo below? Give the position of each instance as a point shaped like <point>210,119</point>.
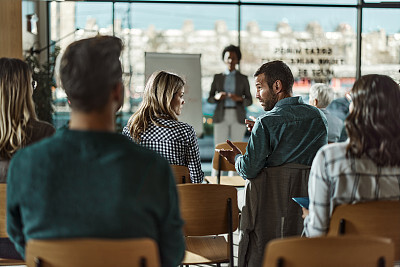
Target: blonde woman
<point>19,125</point>
<point>155,124</point>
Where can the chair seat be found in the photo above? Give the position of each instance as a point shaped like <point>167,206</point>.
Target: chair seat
<point>206,249</point>
<point>236,181</point>
<point>10,262</point>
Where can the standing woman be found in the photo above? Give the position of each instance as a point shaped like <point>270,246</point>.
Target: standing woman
<point>19,125</point>
<point>230,90</point>
<point>367,166</point>
<point>155,124</point>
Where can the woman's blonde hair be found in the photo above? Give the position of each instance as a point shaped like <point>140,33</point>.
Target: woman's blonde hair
<point>158,94</point>
<point>16,105</point>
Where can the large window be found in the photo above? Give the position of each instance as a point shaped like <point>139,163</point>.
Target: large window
<point>318,39</point>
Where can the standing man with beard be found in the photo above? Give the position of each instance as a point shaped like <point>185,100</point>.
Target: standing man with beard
<point>280,151</point>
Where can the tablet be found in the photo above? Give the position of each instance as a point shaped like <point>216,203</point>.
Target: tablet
<point>302,201</point>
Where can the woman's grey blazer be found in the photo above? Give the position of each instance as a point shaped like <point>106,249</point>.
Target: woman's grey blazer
<point>242,89</point>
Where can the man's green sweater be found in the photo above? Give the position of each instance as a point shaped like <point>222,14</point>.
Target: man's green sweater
<point>93,184</point>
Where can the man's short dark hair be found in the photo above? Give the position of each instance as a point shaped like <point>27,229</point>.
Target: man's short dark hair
<point>89,70</point>
<point>277,70</point>
<point>232,48</point>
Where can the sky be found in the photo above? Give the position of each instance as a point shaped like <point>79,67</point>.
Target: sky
<point>172,16</point>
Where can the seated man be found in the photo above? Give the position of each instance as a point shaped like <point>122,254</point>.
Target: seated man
<point>282,145</point>
<point>87,180</point>
<point>321,96</point>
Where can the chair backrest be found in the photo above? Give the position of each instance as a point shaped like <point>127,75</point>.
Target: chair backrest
<point>205,208</point>
<point>225,165</point>
<point>92,253</point>
<point>380,218</point>
<point>181,173</point>
<point>3,207</point>
<point>349,251</point>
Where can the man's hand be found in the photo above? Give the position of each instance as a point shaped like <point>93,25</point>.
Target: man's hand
<point>235,97</point>
<point>230,155</point>
<point>250,123</point>
<point>305,213</point>
<point>220,96</point>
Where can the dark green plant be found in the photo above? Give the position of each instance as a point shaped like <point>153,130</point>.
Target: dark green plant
<point>119,124</point>
<point>43,73</point>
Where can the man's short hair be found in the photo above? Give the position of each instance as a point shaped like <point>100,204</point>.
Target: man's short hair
<point>232,48</point>
<point>277,70</point>
<point>323,93</point>
<point>90,69</point>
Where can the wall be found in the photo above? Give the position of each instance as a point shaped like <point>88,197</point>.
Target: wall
<point>10,28</point>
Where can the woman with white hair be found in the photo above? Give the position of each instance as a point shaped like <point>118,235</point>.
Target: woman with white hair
<point>321,96</point>
<point>155,124</point>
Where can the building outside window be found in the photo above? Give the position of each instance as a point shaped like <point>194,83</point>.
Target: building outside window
<point>319,43</point>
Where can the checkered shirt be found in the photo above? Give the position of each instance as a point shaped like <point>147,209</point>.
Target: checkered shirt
<point>176,142</point>
<point>336,179</point>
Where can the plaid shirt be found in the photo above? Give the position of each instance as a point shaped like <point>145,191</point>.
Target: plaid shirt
<point>336,180</point>
<point>176,142</point>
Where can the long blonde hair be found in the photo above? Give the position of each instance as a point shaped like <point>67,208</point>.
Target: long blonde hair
<point>158,94</point>
<point>16,105</point>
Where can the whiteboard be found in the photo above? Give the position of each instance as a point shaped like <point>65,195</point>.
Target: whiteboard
<point>188,67</point>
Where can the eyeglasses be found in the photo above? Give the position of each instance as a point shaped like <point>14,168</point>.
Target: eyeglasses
<point>34,84</point>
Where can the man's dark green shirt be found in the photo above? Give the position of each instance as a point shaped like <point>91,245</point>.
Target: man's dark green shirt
<point>292,132</point>
<point>93,184</point>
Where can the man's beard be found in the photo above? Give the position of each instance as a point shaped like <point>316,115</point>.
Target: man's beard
<point>270,102</point>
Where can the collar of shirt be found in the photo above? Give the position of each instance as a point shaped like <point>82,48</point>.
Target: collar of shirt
<point>227,72</point>
<point>324,110</point>
<point>290,101</point>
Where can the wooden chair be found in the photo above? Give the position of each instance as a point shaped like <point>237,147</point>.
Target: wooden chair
<point>379,218</point>
<point>208,210</point>
<point>3,208</point>
<point>349,251</point>
<point>3,230</point>
<point>92,253</point>
<point>182,174</point>
<point>221,164</point>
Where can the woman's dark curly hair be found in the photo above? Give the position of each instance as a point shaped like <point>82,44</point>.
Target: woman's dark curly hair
<point>373,126</point>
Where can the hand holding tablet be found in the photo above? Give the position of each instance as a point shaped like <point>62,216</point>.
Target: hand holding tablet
<point>304,202</point>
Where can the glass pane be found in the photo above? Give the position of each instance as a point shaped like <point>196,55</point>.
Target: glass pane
<point>325,2</point>
<point>174,28</point>
<point>216,1</point>
<point>319,44</point>
<point>378,1</point>
<point>70,21</point>
<point>381,42</point>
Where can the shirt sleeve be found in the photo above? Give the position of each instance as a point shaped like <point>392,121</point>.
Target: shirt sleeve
<point>193,158</point>
<point>317,222</point>
<point>213,91</point>
<point>14,220</point>
<point>172,243</point>
<point>257,152</point>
